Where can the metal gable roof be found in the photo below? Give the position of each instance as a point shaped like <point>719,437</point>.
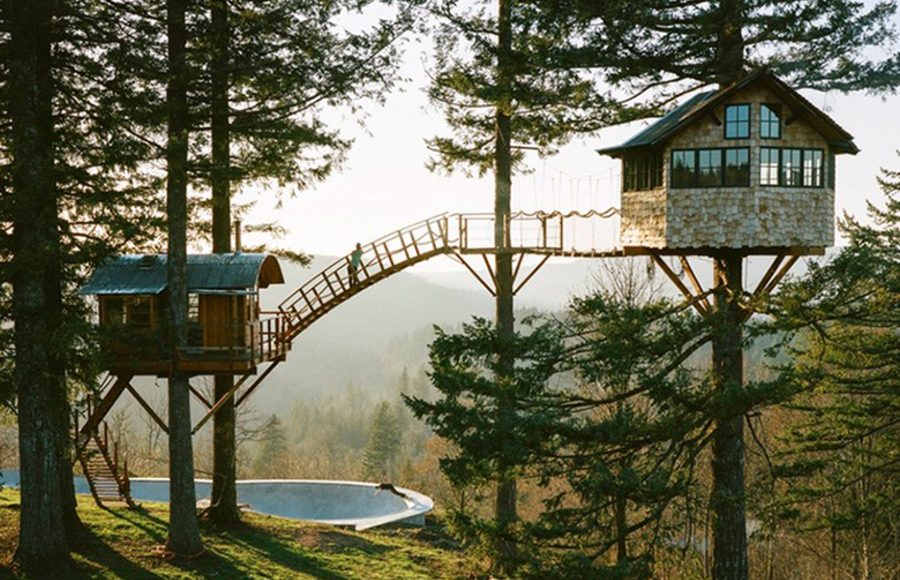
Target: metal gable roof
<point>146,273</point>
<point>695,107</point>
<point>663,127</point>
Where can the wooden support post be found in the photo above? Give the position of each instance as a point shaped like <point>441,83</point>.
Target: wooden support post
<point>100,411</point>
<point>403,244</point>
<point>221,402</point>
<point>378,257</point>
<point>148,408</point>
<point>256,383</point>
<point>390,256</point>
<point>531,274</point>
<point>678,283</point>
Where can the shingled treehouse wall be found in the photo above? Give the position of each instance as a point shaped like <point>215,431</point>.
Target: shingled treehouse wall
<point>753,216</point>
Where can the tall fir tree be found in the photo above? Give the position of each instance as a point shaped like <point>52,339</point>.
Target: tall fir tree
<point>838,457</point>
<point>264,108</point>
<point>382,453</point>
<point>37,291</point>
<point>184,530</point>
<point>664,49</point>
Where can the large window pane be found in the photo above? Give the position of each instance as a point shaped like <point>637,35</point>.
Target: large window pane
<point>737,121</point>
<point>737,167</point>
<point>791,170</point>
<point>710,162</point>
<point>684,168</point>
<point>770,121</point>
<point>768,166</point>
<point>813,167</point>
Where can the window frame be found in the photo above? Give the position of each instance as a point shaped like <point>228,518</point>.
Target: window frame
<point>694,168</point>
<point>695,181</point>
<point>775,108</point>
<point>643,171</point>
<point>725,183</point>
<point>823,174</point>
<point>749,121</point>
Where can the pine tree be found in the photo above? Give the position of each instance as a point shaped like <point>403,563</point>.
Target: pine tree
<point>382,453</point>
<point>499,82</point>
<point>37,291</point>
<point>273,454</point>
<point>665,49</point>
<point>264,126</point>
<point>841,322</point>
<point>184,531</point>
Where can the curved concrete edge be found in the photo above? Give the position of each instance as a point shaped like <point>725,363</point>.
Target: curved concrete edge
<point>156,489</point>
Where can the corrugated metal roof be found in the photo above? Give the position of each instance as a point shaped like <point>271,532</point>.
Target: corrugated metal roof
<point>694,108</point>
<point>146,273</point>
<point>658,130</point>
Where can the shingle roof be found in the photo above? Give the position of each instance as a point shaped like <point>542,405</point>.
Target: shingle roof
<point>697,106</point>
<point>146,273</point>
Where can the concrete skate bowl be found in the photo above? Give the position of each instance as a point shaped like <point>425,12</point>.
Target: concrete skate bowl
<point>341,503</point>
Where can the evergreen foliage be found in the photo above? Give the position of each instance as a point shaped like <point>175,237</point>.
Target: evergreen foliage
<point>669,47</point>
<point>838,460</point>
<point>382,453</point>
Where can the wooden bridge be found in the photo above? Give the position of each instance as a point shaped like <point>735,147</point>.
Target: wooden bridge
<point>459,236</point>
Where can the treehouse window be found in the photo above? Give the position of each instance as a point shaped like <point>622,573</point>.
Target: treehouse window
<point>138,311</point>
<point>770,121</point>
<point>711,168</point>
<point>684,167</point>
<point>737,121</point>
<point>642,172</point>
<point>195,329</point>
<point>737,167</point>
<point>113,310</point>
<point>792,167</point>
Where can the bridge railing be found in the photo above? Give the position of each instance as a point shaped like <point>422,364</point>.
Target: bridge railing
<point>386,254</point>
<point>548,233</point>
<point>540,232</point>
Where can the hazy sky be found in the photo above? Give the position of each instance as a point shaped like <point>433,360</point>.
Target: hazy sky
<point>384,184</point>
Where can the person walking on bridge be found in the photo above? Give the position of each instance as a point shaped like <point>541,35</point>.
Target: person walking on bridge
<point>355,261</point>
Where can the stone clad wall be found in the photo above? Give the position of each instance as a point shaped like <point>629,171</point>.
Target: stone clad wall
<point>733,217</point>
<point>644,218</point>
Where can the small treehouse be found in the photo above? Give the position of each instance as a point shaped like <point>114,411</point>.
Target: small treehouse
<point>749,167</point>
<point>227,331</point>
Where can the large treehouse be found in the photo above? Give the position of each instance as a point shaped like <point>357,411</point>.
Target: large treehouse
<point>227,331</point>
<point>750,166</point>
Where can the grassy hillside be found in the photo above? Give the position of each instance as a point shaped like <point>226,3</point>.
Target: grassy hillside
<point>121,543</point>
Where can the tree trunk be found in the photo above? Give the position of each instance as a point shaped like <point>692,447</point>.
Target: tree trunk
<point>728,500</point>
<point>184,532</point>
<point>47,510</point>
<point>505,507</point>
<point>730,46</point>
<point>223,509</point>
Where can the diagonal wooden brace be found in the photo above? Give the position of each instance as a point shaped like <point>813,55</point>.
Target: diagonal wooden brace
<point>256,383</point>
<point>530,274</point>
<point>221,402</point>
<point>695,282</point>
<point>693,300</point>
<point>147,408</point>
<point>122,381</point>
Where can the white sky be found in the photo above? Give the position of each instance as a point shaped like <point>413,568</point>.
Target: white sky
<point>384,184</point>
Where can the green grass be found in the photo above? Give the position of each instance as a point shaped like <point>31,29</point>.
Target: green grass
<point>122,543</point>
